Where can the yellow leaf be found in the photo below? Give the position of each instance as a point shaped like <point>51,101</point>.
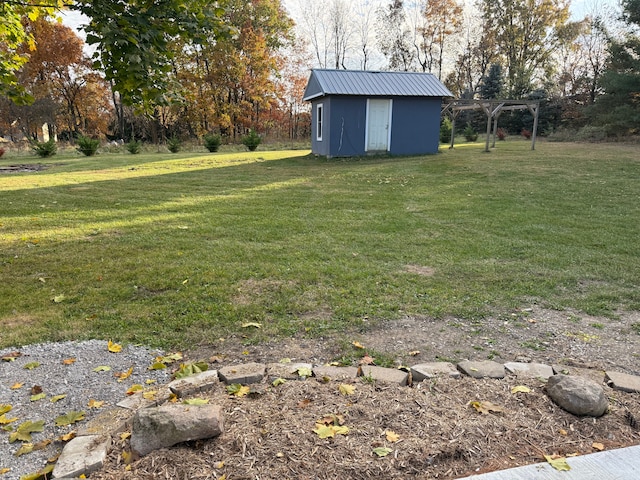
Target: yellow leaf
<point>563,432</point>
<point>150,381</point>
<point>4,470</point>
<point>69,418</point>
<point>520,389</point>
<point>150,395</point>
<point>32,365</point>
<point>114,347</point>
<point>5,421</point>
<point>121,376</point>
<point>68,436</point>
<point>285,360</point>
<point>125,435</point>
<point>357,344</point>
<point>24,431</point>
<point>95,403</point>
<point>597,446</point>
<point>157,366</point>
<point>324,431</point>
<point>485,407</point>
<point>304,372</point>
<point>5,408</point>
<point>69,361</point>
<point>127,457</point>
<point>414,353</point>
<point>252,324</point>
<point>278,381</point>
<point>39,396</point>
<point>82,476</point>
<point>219,465</point>
<point>340,429</point>
<point>102,368</point>
<point>24,449</point>
<point>238,390</point>
<point>58,299</point>
<point>16,386</point>
<point>559,463</point>
<point>392,436</point>
<point>346,389</point>
<point>134,388</point>
<point>57,398</point>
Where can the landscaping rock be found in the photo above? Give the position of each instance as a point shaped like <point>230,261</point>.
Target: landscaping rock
<point>385,375</point>
<point>577,395</point>
<point>243,374</point>
<point>425,371</point>
<point>81,456</point>
<point>288,371</point>
<point>482,369</point>
<point>113,420</point>
<point>623,381</point>
<point>200,382</point>
<point>334,373</point>
<point>164,426</point>
<point>535,370</point>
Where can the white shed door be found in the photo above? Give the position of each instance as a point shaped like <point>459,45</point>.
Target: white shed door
<point>378,124</point>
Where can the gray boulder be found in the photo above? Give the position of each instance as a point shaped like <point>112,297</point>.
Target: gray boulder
<point>165,426</point>
<point>577,395</point>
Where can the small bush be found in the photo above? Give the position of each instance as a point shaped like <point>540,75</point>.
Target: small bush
<point>45,149</point>
<point>469,133</point>
<point>174,144</point>
<point>2,150</point>
<point>445,131</point>
<point>501,133</point>
<point>526,133</point>
<point>212,142</point>
<point>591,133</point>
<point>88,146</point>
<point>134,147</point>
<point>251,140</point>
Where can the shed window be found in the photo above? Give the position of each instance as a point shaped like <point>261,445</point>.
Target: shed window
<point>319,121</point>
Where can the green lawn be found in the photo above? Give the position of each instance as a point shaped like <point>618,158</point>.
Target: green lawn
<point>177,250</point>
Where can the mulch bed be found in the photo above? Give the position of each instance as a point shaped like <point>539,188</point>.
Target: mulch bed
<point>440,435</point>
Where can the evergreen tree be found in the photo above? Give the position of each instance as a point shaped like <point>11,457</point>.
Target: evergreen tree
<point>491,86</point>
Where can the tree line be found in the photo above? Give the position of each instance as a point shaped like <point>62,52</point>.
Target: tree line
<point>170,68</point>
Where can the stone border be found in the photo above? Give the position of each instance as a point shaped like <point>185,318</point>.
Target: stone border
<point>87,452</point>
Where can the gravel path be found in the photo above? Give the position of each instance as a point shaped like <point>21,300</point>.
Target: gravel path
<point>75,378</point>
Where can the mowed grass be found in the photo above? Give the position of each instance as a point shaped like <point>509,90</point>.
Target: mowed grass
<point>180,250</point>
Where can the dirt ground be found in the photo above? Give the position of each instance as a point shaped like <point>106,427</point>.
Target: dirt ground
<point>435,432</point>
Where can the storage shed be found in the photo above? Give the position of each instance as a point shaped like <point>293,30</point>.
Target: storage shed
<point>364,112</point>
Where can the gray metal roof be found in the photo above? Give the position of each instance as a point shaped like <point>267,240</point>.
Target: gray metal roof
<point>360,82</point>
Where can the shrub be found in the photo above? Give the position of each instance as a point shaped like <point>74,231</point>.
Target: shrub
<point>445,131</point>
<point>469,133</point>
<point>174,144</point>
<point>501,133</point>
<point>592,133</point>
<point>88,146</point>
<point>526,133</point>
<point>212,142</point>
<point>251,140</point>
<point>2,150</point>
<point>134,147</point>
<point>44,149</point>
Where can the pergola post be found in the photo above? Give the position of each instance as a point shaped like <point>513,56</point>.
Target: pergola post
<point>535,110</point>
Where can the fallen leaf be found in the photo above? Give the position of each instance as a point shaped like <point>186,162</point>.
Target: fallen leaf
<point>414,353</point>
<point>24,449</point>
<point>520,389</point>
<point>304,403</point>
<point>150,381</point>
<point>39,396</point>
<point>187,369</point>
<point>367,360</point>
<point>219,465</point>
<point>485,407</point>
<point>69,361</point>
<point>68,436</point>
<point>150,395</point>
<point>4,408</point>
<point>24,431</point>
<point>125,435</point>
<point>168,359</point>
<point>304,372</point>
<point>4,470</point>
<point>41,445</point>
<point>357,345</point>
<point>382,451</point>
<point>392,436</point>
<point>278,381</point>
<point>32,365</point>
<point>69,418</point>
<point>127,457</point>
<point>57,398</point>
<point>346,389</point>
<point>563,432</point>
<point>102,368</point>
<point>36,389</point>
<point>251,324</point>
<point>134,388</point>
<point>95,403</point>
<point>157,366</point>
<point>11,357</point>
<point>285,360</point>
<point>16,386</point>
<point>196,401</point>
<point>114,347</point>
<point>559,463</point>
<point>121,376</point>
<point>58,299</point>
<point>238,390</point>
<point>40,474</point>
<point>324,431</point>
<point>5,421</point>
<point>598,446</point>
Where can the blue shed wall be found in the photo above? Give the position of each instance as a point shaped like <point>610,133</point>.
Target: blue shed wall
<point>415,127</point>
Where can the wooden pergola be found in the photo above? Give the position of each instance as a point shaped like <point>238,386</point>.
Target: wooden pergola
<point>492,108</point>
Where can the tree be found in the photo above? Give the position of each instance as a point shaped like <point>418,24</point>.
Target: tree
<point>394,38</point>
<point>491,86</point>
<point>619,109</point>
<point>526,35</point>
